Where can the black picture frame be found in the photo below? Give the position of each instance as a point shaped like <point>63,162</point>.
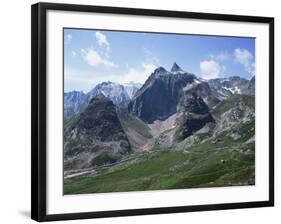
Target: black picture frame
<point>39,122</point>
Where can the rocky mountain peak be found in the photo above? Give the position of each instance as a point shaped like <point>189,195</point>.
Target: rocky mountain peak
<point>159,96</point>
<point>99,98</point>
<point>160,70</point>
<point>106,83</point>
<point>114,91</point>
<point>95,136</point>
<point>176,68</point>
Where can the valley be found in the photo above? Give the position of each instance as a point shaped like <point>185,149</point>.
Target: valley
<point>208,164</point>
<point>175,131</point>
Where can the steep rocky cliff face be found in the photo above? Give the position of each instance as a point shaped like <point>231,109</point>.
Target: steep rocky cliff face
<point>159,96</point>
<point>194,116</point>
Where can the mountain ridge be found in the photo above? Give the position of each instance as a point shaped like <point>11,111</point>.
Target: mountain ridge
<point>176,131</point>
<point>118,93</point>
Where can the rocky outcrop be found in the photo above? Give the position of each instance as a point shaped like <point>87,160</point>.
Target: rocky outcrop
<point>95,135</point>
<point>237,109</point>
<point>194,116</point>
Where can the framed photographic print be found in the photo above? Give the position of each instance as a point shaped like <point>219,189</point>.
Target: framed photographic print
<point>139,111</point>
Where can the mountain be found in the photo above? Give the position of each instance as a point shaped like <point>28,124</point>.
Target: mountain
<point>236,109</point>
<point>176,69</point>
<point>202,89</point>
<point>175,131</point>
<point>224,87</point>
<point>131,88</point>
<point>194,115</point>
<point>95,136</point>
<point>250,90</point>
<point>74,102</point>
<point>157,99</point>
<point>114,91</point>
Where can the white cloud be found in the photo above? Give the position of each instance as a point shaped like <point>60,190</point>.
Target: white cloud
<point>94,59</point>
<point>73,53</point>
<point>222,56</point>
<point>85,80</point>
<point>102,40</point>
<point>150,58</point>
<point>210,69</point>
<point>139,75</point>
<point>245,57</point>
<point>68,38</point>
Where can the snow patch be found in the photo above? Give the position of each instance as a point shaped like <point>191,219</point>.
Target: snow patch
<point>237,90</point>
<point>178,72</point>
<point>228,89</point>
<point>197,81</point>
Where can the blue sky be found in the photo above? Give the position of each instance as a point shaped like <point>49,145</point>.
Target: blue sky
<point>94,56</point>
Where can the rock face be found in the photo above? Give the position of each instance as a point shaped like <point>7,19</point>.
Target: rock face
<point>116,92</point>
<point>100,118</point>
<point>223,88</point>
<point>74,102</point>
<point>193,103</point>
<point>159,96</point>
<point>176,68</point>
<point>194,116</point>
<point>95,135</point>
<point>203,90</point>
<point>77,101</point>
<point>131,88</point>
<point>251,86</point>
<point>237,109</point>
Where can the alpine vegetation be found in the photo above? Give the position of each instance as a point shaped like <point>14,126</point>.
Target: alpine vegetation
<point>158,128</point>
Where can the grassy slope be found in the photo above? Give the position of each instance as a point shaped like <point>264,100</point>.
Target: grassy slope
<point>203,165</point>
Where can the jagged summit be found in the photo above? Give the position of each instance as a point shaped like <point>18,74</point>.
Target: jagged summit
<point>99,97</point>
<point>160,70</point>
<point>106,82</point>
<point>176,68</point>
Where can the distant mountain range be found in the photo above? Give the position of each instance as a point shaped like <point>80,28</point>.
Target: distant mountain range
<point>76,101</point>
<point>158,98</point>
<point>167,86</point>
<point>171,110</point>
<point>224,87</point>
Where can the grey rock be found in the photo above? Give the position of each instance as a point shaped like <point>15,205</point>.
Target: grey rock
<point>159,96</point>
